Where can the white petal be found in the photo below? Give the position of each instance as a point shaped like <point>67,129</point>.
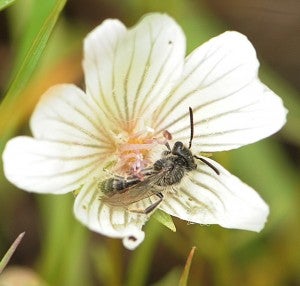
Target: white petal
<point>110,221</point>
<point>66,114</point>
<point>207,198</point>
<point>49,167</point>
<point>99,53</point>
<point>231,106</point>
<point>131,72</point>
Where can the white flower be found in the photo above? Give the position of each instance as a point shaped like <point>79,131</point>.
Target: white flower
<point>138,84</point>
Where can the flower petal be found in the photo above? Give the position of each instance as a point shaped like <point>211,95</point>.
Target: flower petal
<point>207,198</point>
<point>66,114</point>
<point>231,106</point>
<point>110,221</point>
<point>49,167</point>
<point>129,73</point>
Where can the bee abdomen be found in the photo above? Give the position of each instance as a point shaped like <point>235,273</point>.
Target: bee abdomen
<point>118,184</point>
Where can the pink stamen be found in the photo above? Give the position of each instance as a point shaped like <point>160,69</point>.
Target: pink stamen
<point>167,135</point>
<point>134,157</point>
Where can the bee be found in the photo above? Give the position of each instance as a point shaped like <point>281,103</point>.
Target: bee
<point>166,172</point>
<point>119,183</point>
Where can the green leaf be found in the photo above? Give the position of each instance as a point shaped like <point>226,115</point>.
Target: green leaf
<point>165,219</point>
<point>5,3</point>
<point>185,274</point>
<point>10,252</point>
<point>41,22</point>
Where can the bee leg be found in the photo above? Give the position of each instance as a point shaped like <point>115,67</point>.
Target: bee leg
<point>151,207</point>
<point>154,205</point>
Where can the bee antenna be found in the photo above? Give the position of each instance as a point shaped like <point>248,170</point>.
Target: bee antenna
<point>192,127</point>
<point>208,164</point>
<point>168,146</point>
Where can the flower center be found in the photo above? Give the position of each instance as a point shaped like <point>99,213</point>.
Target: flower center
<point>134,152</point>
<point>134,155</point>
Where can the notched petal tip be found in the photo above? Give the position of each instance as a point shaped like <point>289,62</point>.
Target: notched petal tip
<point>115,222</point>
<point>275,109</point>
<point>247,215</point>
<point>262,217</point>
<point>133,240</point>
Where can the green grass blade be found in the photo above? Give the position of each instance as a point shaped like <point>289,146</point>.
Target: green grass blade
<point>185,274</point>
<point>30,50</point>
<point>10,252</point>
<point>5,3</point>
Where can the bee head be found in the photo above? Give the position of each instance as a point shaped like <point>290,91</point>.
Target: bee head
<point>178,146</point>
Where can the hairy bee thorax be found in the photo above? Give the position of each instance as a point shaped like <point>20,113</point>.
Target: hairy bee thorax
<point>174,164</point>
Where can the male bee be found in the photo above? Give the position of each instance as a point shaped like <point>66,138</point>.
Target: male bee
<point>165,172</point>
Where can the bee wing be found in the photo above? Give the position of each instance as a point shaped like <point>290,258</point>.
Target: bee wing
<point>136,193</point>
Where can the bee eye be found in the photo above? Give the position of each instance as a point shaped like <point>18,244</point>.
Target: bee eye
<point>178,146</point>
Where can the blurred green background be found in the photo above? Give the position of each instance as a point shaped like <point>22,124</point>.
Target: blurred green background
<point>41,46</point>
